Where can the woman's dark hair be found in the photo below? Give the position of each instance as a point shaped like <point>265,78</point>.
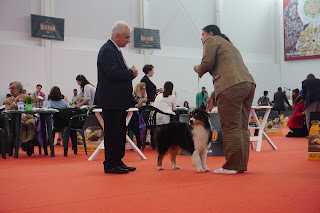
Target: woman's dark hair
<point>147,68</point>
<point>168,87</point>
<point>296,91</point>
<point>298,99</point>
<point>83,81</point>
<point>186,104</point>
<point>215,31</point>
<point>55,94</point>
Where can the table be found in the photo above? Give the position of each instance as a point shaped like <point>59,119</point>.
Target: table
<point>260,127</point>
<point>101,146</point>
<point>45,118</point>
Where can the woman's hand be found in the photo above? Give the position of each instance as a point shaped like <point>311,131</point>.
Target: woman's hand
<point>195,68</point>
<point>79,99</point>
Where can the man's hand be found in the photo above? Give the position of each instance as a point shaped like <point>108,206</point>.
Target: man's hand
<point>135,71</point>
<point>18,98</point>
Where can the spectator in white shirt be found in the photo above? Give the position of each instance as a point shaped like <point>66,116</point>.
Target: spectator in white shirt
<point>166,102</point>
<point>88,91</point>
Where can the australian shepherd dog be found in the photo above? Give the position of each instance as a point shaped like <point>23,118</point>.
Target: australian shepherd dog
<point>193,137</point>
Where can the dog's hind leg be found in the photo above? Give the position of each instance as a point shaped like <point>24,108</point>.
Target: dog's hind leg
<point>160,158</point>
<point>203,157</point>
<point>196,161</point>
<point>174,152</point>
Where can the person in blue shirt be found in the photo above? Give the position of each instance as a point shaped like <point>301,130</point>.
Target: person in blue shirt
<point>56,100</point>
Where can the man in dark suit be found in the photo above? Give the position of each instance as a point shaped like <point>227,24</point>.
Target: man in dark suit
<point>311,96</point>
<point>114,95</point>
<point>279,98</point>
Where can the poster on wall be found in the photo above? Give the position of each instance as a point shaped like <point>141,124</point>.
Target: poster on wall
<point>301,29</point>
<point>47,27</point>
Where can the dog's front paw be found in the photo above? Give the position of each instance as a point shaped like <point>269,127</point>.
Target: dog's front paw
<point>160,168</point>
<point>200,170</point>
<point>176,167</point>
<point>207,170</point>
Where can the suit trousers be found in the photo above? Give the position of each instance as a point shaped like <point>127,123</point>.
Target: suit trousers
<point>114,137</point>
<point>234,106</point>
<point>313,107</point>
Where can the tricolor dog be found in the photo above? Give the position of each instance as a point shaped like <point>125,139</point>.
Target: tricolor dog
<point>193,137</point>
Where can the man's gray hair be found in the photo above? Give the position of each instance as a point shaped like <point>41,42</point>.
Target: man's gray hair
<point>18,84</point>
<point>118,27</point>
<point>310,76</point>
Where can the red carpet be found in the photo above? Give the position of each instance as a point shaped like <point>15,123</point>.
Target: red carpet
<point>280,180</point>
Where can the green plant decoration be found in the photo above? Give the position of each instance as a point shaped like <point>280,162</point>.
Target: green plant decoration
<point>28,99</point>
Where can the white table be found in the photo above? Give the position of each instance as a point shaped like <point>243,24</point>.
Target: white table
<point>260,127</point>
<point>101,146</point>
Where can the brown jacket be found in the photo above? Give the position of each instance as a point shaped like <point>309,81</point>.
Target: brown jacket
<point>224,62</point>
<point>27,130</point>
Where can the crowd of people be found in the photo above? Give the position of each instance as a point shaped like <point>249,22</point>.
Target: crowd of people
<point>234,89</point>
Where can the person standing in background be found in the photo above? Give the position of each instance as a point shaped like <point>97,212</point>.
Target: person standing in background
<point>88,91</point>
<point>114,96</point>
<point>279,99</point>
<point>39,97</point>
<point>75,96</point>
<point>311,96</point>
<point>201,99</point>
<point>234,89</point>
<point>210,103</point>
<point>148,70</point>
<point>166,102</point>
<point>264,100</point>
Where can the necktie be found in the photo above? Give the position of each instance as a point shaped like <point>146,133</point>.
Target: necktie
<point>124,60</point>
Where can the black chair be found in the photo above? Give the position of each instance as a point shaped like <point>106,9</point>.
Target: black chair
<point>70,121</point>
<point>4,139</point>
<point>272,115</point>
<point>149,114</point>
<point>286,113</point>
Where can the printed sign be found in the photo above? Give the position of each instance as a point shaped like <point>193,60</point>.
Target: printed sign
<point>47,27</point>
<point>146,38</point>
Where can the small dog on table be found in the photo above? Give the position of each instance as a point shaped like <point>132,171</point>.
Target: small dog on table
<point>193,137</point>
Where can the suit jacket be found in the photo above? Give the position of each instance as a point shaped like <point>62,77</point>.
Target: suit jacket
<point>224,62</point>
<point>311,90</point>
<point>279,98</point>
<point>28,128</point>
<point>151,88</point>
<point>114,87</point>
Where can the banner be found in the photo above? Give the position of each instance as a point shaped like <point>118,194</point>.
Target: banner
<point>47,27</point>
<point>146,38</point>
<point>301,29</point>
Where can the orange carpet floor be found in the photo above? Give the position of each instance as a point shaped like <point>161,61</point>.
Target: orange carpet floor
<point>280,180</point>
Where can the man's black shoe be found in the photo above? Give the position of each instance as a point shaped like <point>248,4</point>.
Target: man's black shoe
<point>116,170</point>
<point>124,166</point>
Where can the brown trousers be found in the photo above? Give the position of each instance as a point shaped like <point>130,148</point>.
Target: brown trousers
<point>234,106</point>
